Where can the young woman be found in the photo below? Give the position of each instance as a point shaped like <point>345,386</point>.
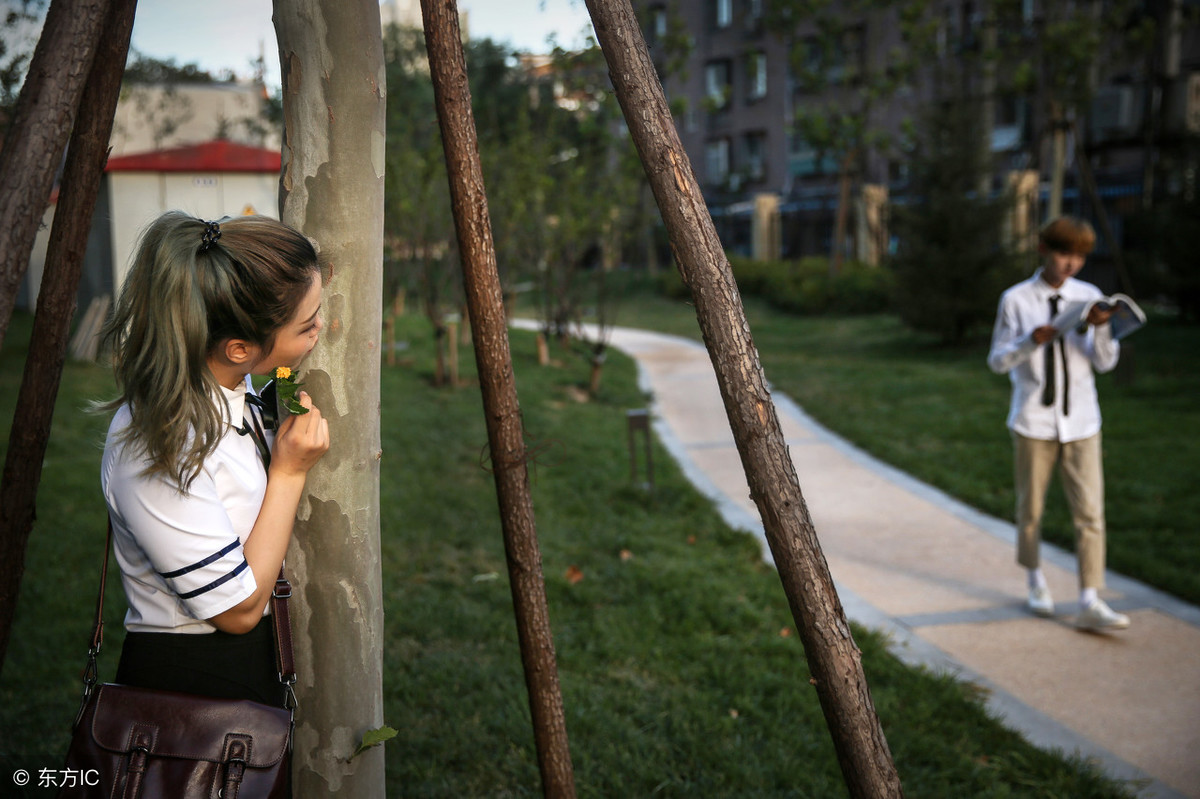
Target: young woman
<point>202,511</point>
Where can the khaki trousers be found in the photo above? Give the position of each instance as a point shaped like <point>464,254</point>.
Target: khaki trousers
<point>1081,469</point>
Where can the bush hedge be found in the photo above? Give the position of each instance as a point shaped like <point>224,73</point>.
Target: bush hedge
<point>804,286</point>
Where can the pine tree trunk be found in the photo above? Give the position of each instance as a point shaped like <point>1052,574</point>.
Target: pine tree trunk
<point>485,300</point>
<point>40,126</point>
<point>842,215</point>
<point>331,54</point>
<point>834,660</point>
<point>56,306</point>
<point>1058,160</point>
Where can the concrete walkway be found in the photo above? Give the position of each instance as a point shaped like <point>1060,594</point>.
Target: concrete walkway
<point>941,580</point>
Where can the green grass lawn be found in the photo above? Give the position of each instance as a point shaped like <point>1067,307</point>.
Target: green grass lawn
<point>680,669</point>
<point>938,413</point>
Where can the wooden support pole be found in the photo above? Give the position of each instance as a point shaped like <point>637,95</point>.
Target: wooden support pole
<point>506,439</point>
<point>32,417</point>
<point>835,661</point>
<point>41,123</point>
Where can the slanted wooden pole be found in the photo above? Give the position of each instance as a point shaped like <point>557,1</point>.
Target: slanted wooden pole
<point>56,304</point>
<point>834,659</point>
<point>485,303</point>
<point>33,146</point>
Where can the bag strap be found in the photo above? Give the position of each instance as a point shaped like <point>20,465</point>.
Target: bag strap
<point>281,621</point>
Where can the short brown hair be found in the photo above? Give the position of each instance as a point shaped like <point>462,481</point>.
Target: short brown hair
<point>1068,234</point>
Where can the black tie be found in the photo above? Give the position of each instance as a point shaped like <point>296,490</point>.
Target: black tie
<point>1048,387</point>
<point>251,427</point>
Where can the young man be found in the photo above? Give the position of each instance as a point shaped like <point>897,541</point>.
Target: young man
<point>1054,416</point>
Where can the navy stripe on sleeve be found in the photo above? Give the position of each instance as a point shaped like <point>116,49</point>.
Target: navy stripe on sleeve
<point>202,563</point>
<point>217,582</point>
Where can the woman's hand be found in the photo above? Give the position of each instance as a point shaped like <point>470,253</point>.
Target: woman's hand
<point>299,444</point>
<point>300,441</point>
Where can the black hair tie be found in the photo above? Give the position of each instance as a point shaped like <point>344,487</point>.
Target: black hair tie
<point>212,232</point>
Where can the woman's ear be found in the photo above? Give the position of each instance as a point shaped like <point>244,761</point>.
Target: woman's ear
<point>239,352</point>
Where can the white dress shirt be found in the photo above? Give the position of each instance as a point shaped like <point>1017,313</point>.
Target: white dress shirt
<point>180,553</point>
<point>1023,308</point>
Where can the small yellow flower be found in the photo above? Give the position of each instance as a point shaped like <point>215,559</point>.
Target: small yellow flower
<point>287,390</point>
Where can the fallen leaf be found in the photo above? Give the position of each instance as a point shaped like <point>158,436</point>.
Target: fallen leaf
<point>574,574</point>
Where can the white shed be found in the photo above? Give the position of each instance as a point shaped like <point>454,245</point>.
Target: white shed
<point>208,180</point>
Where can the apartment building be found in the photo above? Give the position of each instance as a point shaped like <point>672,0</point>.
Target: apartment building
<point>755,94</point>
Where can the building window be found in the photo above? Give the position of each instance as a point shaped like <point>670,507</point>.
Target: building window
<point>851,58</point>
<point>754,146</point>
<point>756,75</point>
<point>658,23</point>
<point>717,84</point>
<point>754,15</point>
<point>723,13</point>
<point>716,162</point>
<point>805,161</point>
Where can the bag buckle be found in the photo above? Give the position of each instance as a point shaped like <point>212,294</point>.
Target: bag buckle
<point>289,693</point>
<point>91,675</point>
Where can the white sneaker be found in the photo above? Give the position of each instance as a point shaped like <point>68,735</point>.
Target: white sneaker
<point>1040,603</point>
<point>1099,616</point>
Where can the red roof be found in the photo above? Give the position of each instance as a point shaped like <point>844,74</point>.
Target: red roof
<point>212,156</point>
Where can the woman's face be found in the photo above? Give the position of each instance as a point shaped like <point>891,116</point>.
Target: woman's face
<point>296,338</point>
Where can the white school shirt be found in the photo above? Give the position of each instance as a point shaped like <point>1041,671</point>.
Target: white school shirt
<point>181,554</point>
<point>1023,308</point>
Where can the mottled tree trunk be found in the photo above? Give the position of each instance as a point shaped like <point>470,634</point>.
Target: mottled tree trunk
<point>485,300</point>
<point>331,54</point>
<point>40,127</point>
<point>834,659</point>
<point>56,306</point>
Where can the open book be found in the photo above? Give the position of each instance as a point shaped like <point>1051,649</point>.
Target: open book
<point>1127,316</point>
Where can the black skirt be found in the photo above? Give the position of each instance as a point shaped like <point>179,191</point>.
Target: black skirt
<point>218,664</point>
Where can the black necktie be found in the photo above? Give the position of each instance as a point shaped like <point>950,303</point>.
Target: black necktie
<point>251,427</point>
<point>1048,386</point>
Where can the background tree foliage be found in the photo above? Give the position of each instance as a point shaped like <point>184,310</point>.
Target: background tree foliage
<point>951,263</point>
<point>846,80</point>
<point>563,183</point>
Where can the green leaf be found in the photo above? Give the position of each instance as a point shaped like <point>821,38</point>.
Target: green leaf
<point>286,391</point>
<point>373,738</point>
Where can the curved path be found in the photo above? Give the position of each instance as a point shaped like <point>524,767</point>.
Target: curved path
<point>942,581</point>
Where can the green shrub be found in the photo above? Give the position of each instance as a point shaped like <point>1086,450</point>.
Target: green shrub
<point>802,287</point>
<point>671,285</point>
<point>805,286</point>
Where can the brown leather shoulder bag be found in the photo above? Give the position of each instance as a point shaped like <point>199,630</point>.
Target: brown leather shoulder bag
<point>139,742</point>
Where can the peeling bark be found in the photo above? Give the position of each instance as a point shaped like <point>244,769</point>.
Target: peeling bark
<point>331,188</point>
